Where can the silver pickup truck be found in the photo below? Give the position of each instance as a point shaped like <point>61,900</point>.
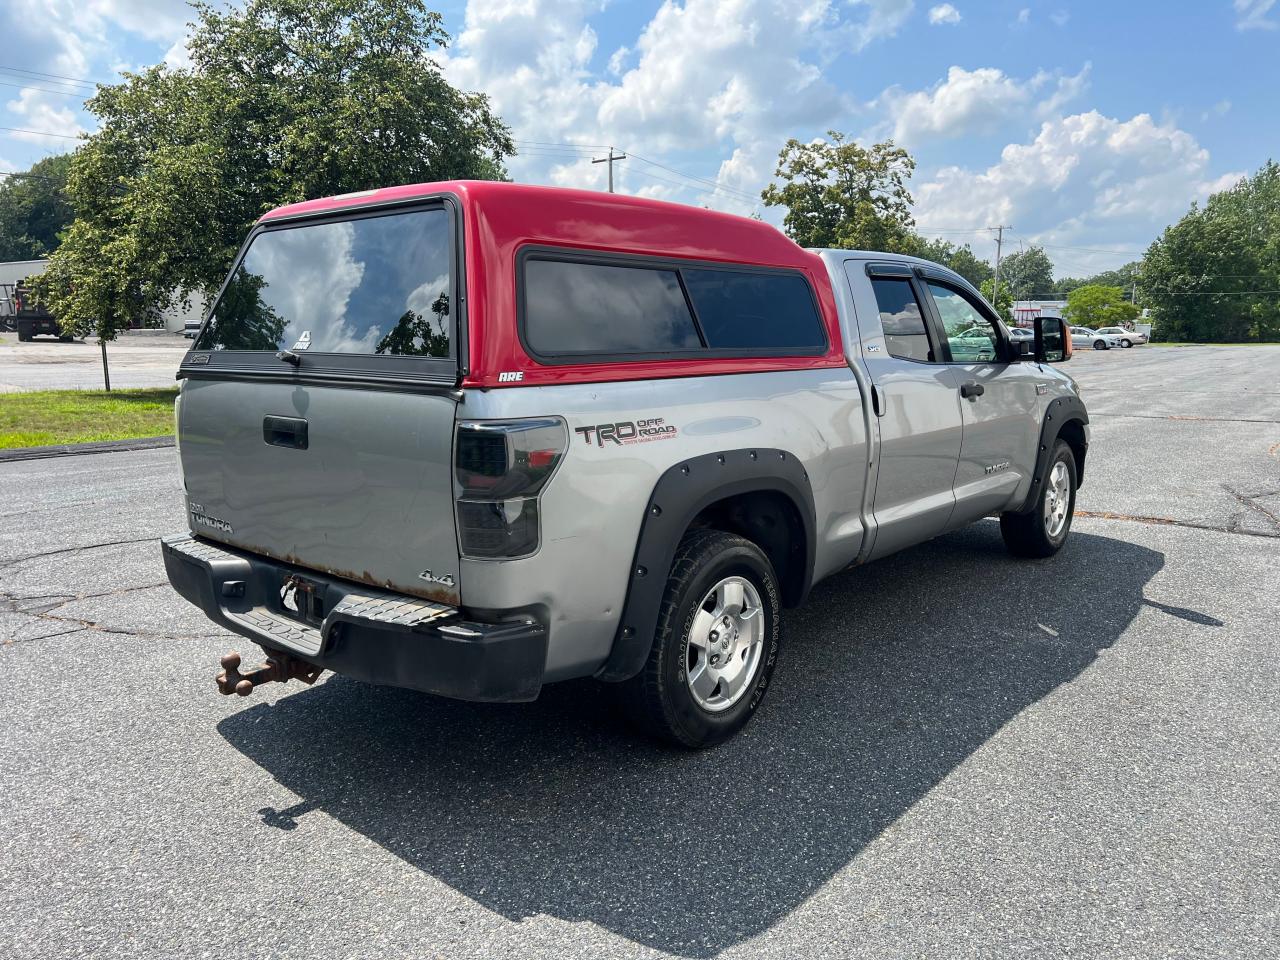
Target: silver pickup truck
<point>471,438</point>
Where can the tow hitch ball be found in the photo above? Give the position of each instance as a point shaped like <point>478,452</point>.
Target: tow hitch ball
<point>279,668</point>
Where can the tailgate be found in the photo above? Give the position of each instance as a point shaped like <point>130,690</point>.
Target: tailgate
<point>355,483</point>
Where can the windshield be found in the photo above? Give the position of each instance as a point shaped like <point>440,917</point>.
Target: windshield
<point>374,285</point>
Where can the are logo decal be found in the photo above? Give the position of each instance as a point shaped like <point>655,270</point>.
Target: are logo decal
<point>510,376</point>
<point>627,431</point>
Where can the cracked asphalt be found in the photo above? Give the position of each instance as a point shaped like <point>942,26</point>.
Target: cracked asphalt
<point>962,755</point>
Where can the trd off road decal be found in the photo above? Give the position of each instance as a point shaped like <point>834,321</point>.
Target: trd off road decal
<point>627,431</point>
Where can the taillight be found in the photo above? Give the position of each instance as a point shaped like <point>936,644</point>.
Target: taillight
<point>500,469</point>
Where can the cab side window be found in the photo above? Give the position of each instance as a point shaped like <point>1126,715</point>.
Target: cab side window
<point>970,335</point>
<point>905,334</point>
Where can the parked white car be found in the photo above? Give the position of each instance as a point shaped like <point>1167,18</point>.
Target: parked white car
<point>1127,337</point>
<point>1086,337</point>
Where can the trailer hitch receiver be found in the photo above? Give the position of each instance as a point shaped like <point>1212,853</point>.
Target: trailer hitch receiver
<point>279,668</point>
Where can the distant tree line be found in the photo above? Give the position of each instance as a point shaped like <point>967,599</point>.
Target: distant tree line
<point>1215,274</point>
<point>34,209</point>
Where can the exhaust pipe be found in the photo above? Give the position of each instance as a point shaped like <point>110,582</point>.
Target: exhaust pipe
<point>279,668</point>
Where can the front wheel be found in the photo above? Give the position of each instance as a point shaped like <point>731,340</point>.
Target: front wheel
<point>715,646</point>
<point>1099,344</point>
<point>1042,531</point>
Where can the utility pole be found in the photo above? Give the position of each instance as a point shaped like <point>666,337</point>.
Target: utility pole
<point>609,160</point>
<point>995,283</point>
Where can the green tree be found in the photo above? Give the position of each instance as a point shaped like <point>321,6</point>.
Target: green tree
<point>960,259</point>
<point>840,194</point>
<point>1028,274</point>
<point>1003,303</point>
<point>285,100</point>
<point>1213,276</point>
<point>34,209</point>
<point>1097,306</point>
<point>1123,277</point>
<point>416,335</point>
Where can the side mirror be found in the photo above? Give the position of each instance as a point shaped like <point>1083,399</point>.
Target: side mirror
<point>1053,340</point>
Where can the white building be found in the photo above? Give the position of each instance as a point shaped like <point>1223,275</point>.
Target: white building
<point>1026,311</point>
<point>10,273</point>
<point>175,317</point>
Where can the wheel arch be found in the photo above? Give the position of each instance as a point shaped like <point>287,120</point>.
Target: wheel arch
<point>762,494</point>
<point>1065,417</point>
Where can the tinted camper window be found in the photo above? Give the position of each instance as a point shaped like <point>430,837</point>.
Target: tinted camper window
<point>373,285</point>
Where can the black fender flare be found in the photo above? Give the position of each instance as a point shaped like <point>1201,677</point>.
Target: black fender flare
<point>1059,412</point>
<point>681,493</point>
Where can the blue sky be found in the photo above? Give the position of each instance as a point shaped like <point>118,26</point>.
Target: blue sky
<point>1087,126</point>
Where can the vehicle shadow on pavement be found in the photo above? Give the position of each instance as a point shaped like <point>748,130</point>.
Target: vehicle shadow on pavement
<point>891,676</point>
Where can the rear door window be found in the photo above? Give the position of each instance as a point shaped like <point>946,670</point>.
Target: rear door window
<point>755,311</point>
<point>585,309</point>
<point>378,285</point>
<point>906,335</point>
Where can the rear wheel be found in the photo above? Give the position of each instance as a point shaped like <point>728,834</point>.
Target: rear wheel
<point>715,646</point>
<point>1126,343</point>
<point>1042,532</point>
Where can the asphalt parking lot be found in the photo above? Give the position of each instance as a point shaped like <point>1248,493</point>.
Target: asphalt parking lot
<point>136,359</point>
<point>962,754</point>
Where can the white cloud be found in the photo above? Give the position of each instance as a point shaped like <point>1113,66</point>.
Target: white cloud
<point>161,20</point>
<point>618,61</point>
<point>1060,17</point>
<point>1085,180</point>
<point>972,102</point>
<point>1024,17</point>
<point>884,19</point>
<point>35,109</point>
<point>1252,15</point>
<point>729,76</point>
<point>178,56</point>
<point>1219,109</point>
<point>967,102</point>
<point>1065,89</point>
<point>944,13</point>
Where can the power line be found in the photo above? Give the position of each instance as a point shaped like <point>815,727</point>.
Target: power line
<point>715,184</point>
<point>32,176</point>
<point>42,133</point>
<point>550,143</point>
<point>83,94</point>
<point>53,76</point>
<point>610,160</point>
<point>567,151</point>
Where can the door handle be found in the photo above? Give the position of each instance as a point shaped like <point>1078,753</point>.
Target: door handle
<point>972,389</point>
<point>285,432</point>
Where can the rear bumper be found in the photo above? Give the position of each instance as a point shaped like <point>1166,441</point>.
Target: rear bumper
<point>358,631</point>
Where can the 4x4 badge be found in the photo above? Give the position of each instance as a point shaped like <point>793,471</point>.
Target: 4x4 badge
<point>445,580</point>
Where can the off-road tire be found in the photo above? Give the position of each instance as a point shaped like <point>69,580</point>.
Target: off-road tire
<point>1027,534</point>
<point>658,699</point>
